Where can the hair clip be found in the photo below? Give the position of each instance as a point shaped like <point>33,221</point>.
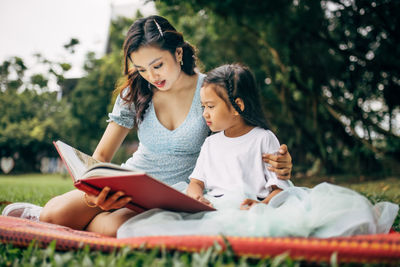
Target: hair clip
<point>159,28</point>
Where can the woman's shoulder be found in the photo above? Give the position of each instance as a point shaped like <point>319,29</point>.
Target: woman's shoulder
<point>200,80</point>
<point>123,92</point>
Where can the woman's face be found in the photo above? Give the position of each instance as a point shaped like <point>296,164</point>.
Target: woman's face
<point>158,67</point>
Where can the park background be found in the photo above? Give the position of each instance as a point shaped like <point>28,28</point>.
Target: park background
<point>328,72</point>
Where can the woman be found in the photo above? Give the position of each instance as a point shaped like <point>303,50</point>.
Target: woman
<point>161,99</point>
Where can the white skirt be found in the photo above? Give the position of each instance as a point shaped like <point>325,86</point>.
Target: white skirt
<point>324,211</point>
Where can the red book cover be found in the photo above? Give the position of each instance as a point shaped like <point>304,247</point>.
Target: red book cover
<point>146,192</point>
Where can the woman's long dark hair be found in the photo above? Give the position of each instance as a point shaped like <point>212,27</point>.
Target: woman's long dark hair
<point>150,31</point>
<point>238,82</point>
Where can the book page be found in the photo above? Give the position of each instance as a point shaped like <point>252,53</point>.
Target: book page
<point>83,166</point>
<point>77,161</point>
<point>104,171</point>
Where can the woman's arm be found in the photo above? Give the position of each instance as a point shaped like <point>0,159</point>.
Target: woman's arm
<point>281,164</point>
<point>112,139</point>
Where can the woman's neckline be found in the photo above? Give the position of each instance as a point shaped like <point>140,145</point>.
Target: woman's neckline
<point>190,109</point>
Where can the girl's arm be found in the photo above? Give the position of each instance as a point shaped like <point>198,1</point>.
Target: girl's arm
<point>281,164</point>
<point>195,190</point>
<point>275,191</point>
<point>248,203</point>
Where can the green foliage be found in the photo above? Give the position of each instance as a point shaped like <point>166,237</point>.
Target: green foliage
<point>11,74</point>
<point>92,98</point>
<point>33,116</point>
<point>29,123</point>
<point>71,45</point>
<point>34,256</point>
<point>327,71</point>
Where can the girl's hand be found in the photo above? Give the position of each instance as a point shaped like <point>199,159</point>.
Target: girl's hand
<point>248,203</point>
<point>281,163</point>
<point>202,199</point>
<point>106,202</point>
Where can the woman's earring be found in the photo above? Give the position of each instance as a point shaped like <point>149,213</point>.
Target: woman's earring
<point>181,62</point>
<point>148,85</point>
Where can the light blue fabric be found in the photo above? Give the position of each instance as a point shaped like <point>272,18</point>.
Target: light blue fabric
<point>324,211</point>
<point>169,156</point>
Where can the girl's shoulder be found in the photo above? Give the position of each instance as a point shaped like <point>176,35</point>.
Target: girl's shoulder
<point>213,137</point>
<point>264,134</point>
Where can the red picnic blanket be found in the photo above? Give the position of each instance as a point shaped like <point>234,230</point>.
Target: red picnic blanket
<point>380,248</point>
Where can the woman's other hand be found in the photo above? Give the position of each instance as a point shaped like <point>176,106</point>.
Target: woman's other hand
<point>280,163</point>
<point>106,202</point>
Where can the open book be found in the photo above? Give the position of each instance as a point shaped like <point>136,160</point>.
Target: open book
<point>90,176</point>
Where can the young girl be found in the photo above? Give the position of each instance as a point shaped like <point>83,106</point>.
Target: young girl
<point>160,98</point>
<point>232,108</point>
<point>249,199</point>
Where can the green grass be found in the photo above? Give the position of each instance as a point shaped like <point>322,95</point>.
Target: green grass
<point>33,188</point>
<point>387,189</point>
<point>38,188</point>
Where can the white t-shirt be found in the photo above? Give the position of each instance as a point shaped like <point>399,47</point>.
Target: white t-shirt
<point>235,164</point>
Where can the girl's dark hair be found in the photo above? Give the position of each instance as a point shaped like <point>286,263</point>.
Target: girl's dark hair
<point>238,82</point>
<point>153,31</point>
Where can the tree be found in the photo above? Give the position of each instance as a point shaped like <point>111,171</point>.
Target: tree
<point>11,74</point>
<point>93,97</point>
<point>322,66</point>
<point>29,123</point>
<point>32,115</point>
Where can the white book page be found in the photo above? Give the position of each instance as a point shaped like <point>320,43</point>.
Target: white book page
<point>82,165</point>
<point>106,172</point>
<point>77,161</point>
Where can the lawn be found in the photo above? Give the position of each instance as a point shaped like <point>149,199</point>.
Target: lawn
<point>38,188</point>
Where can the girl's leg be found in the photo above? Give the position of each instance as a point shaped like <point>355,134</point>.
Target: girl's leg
<point>69,209</point>
<point>107,223</point>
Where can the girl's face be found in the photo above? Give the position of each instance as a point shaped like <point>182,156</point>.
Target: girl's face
<point>157,66</point>
<point>218,115</point>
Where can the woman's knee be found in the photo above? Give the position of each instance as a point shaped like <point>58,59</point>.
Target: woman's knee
<point>107,223</point>
<point>69,210</point>
<point>54,211</point>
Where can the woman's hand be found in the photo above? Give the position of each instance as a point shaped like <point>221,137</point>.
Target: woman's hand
<point>106,202</point>
<point>281,163</point>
